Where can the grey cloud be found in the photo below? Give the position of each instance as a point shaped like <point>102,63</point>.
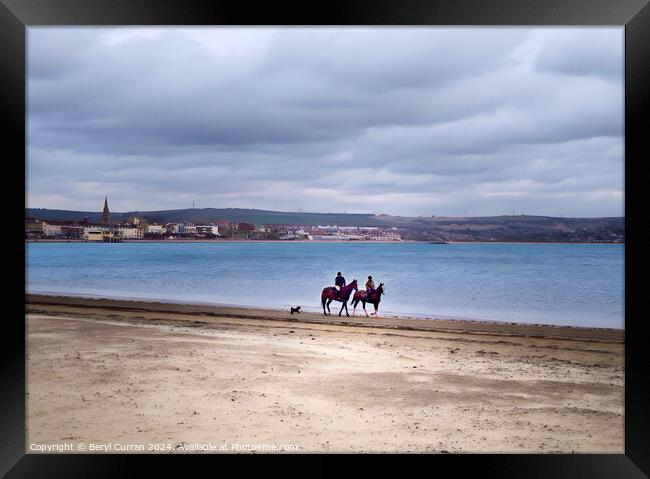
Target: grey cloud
<point>404,121</point>
<point>594,52</point>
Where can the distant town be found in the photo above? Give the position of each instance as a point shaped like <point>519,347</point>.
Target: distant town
<point>51,225</point>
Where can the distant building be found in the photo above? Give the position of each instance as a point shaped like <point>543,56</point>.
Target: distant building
<point>136,220</point>
<point>245,227</point>
<point>94,227</point>
<point>325,237</point>
<point>34,228</point>
<point>390,236</point>
<point>175,228</point>
<point>101,233</point>
<point>207,231</point>
<point>105,212</point>
<point>129,231</point>
<point>72,232</point>
<point>93,234</point>
<point>155,230</point>
<point>52,229</point>
<point>189,230</point>
<point>98,234</point>
<point>142,230</point>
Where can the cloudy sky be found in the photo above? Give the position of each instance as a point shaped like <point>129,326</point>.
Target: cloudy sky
<point>404,121</point>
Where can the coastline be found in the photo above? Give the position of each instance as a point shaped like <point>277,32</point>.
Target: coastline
<point>231,240</point>
<point>35,303</point>
<point>115,372</point>
<point>227,240</point>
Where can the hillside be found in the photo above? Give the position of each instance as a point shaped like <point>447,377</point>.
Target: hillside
<point>205,215</point>
<point>484,228</point>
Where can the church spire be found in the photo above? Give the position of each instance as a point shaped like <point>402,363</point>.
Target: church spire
<point>105,212</point>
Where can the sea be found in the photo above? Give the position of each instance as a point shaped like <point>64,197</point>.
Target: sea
<point>535,283</point>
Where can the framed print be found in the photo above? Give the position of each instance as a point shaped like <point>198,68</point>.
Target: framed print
<point>361,228</point>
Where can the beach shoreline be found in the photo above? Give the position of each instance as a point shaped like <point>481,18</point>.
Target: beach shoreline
<point>142,377</point>
<point>403,322</point>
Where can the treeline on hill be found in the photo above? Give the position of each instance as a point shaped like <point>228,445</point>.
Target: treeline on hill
<point>487,228</point>
<point>206,215</point>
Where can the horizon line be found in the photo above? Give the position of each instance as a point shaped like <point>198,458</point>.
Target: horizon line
<point>321,213</point>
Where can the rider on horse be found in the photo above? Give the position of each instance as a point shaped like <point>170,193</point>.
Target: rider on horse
<point>371,295</point>
<point>330,294</point>
<point>370,285</point>
<point>339,282</point>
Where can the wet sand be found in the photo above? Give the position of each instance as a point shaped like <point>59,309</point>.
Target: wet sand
<point>156,377</point>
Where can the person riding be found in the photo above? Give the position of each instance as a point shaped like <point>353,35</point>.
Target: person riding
<point>339,282</point>
<point>370,285</point>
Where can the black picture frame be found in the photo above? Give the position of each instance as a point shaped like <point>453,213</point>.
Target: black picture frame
<point>634,15</point>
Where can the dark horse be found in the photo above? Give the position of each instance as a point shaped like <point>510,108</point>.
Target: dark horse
<point>329,295</point>
<point>373,298</point>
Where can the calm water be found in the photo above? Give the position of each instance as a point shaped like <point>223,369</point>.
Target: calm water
<point>561,284</point>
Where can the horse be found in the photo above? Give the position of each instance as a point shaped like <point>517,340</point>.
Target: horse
<point>374,298</point>
<point>329,295</point>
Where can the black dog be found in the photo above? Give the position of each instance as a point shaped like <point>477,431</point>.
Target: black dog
<point>295,310</point>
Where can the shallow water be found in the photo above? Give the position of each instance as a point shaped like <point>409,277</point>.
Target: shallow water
<point>560,284</point>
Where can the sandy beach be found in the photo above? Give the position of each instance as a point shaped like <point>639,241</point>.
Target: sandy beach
<point>135,376</point>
